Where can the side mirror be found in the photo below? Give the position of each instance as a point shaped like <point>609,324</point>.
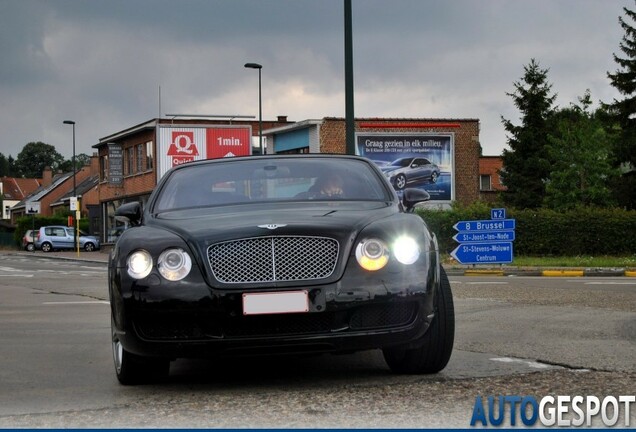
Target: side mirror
<point>129,212</point>
<point>412,196</point>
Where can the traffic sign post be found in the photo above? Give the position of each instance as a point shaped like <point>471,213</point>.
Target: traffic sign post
<point>485,241</point>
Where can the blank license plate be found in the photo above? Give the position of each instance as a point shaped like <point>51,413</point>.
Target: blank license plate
<point>275,303</point>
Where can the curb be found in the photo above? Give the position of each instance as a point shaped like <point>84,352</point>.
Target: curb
<point>590,272</point>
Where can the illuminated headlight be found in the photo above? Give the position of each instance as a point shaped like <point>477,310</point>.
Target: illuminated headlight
<point>139,264</point>
<point>372,254</point>
<point>406,250</point>
<point>174,264</point>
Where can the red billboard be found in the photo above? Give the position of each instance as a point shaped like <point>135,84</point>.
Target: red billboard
<point>228,142</point>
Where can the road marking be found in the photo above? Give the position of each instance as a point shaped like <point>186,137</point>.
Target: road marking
<point>529,363</point>
<point>610,283</point>
<point>76,303</point>
<point>486,283</point>
<point>17,275</point>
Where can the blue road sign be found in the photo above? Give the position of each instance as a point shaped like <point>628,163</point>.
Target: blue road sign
<point>485,225</point>
<point>483,253</point>
<point>485,236</point>
<point>498,213</point>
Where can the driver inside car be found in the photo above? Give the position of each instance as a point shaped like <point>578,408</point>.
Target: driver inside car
<point>328,186</point>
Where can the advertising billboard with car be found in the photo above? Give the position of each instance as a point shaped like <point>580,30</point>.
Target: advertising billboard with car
<point>413,160</point>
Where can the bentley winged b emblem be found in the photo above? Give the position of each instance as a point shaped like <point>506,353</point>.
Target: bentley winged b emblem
<point>271,226</point>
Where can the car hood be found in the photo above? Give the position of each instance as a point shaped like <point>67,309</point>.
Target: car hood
<point>207,226</point>
<point>391,169</point>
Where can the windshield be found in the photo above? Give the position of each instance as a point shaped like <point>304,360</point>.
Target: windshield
<point>403,162</point>
<point>270,180</point>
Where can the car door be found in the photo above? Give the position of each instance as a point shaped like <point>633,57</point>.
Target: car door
<point>69,238</point>
<point>420,169</point>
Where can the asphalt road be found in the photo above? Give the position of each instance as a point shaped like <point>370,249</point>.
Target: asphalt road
<point>515,336</point>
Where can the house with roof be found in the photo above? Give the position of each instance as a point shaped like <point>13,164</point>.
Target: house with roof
<point>13,190</point>
<point>57,189</point>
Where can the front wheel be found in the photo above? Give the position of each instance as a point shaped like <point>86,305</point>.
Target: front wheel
<point>89,247</point>
<point>133,369</point>
<point>400,181</point>
<point>435,352</point>
<point>47,247</point>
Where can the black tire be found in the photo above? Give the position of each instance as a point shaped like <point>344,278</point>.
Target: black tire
<point>132,369</point>
<point>46,247</point>
<point>434,354</point>
<point>30,247</point>
<point>89,247</point>
<point>400,182</point>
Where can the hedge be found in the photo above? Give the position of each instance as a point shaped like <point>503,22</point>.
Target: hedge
<point>543,232</point>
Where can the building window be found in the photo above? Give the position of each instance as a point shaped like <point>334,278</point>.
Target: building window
<point>130,160</point>
<point>484,182</point>
<point>140,158</point>
<point>149,161</point>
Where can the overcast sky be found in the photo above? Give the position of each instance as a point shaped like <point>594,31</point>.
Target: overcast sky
<point>101,63</point>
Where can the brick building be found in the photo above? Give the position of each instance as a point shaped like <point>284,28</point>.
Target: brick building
<point>459,160</point>
<point>489,179</point>
<point>132,161</point>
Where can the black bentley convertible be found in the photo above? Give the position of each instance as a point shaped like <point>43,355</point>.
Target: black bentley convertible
<point>277,255</point>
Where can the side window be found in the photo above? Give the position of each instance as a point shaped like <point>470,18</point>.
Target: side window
<point>60,232</point>
<point>69,232</point>
<point>48,231</point>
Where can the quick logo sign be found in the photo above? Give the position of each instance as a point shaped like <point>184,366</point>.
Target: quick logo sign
<point>183,148</point>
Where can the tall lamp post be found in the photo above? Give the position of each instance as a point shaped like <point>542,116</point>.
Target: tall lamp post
<point>71,122</point>
<point>260,105</point>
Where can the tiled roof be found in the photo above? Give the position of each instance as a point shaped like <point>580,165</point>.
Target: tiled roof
<point>18,188</point>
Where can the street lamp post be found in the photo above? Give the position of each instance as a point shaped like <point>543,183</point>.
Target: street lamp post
<point>260,105</point>
<point>71,122</point>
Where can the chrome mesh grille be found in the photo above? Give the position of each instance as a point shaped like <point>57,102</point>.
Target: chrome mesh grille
<point>273,259</point>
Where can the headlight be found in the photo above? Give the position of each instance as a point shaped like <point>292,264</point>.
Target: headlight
<point>372,254</point>
<point>174,264</point>
<point>406,250</point>
<point>139,264</point>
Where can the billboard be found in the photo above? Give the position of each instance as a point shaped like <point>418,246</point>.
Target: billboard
<point>413,160</point>
<point>182,144</point>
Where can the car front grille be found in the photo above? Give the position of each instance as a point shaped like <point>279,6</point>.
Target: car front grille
<point>273,259</point>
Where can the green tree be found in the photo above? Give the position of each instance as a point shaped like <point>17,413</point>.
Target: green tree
<point>622,112</point>
<point>81,160</point>
<point>34,157</point>
<point>580,150</point>
<point>526,166</point>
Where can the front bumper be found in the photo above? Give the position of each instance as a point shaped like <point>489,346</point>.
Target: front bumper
<point>192,319</point>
